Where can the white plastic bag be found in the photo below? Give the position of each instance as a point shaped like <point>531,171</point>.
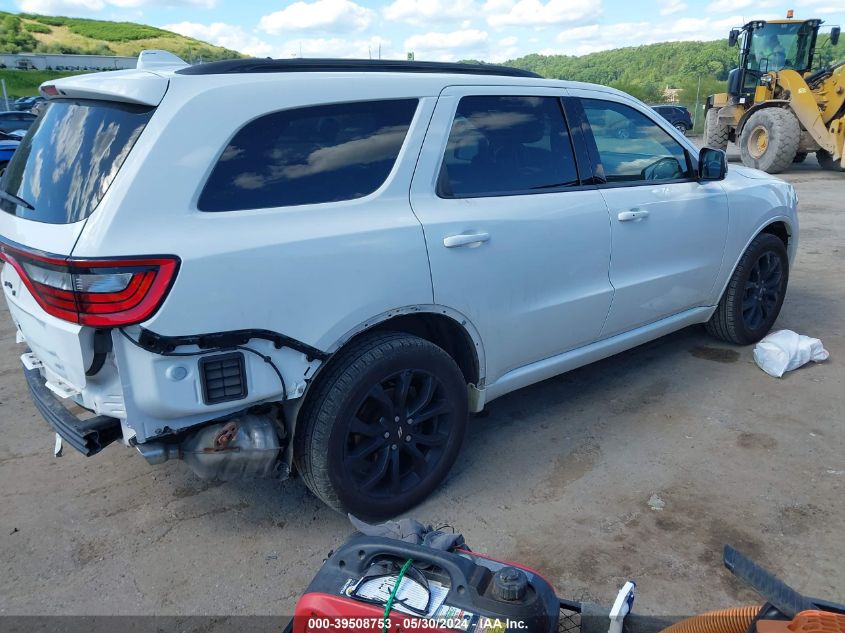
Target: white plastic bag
<point>785,350</point>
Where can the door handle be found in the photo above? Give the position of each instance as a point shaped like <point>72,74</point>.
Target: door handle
<point>465,239</point>
<point>633,214</point>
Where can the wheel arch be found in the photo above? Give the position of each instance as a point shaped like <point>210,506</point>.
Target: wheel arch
<point>781,227</point>
<point>443,326</point>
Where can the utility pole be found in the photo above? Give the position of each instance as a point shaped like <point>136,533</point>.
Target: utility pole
<point>5,94</point>
<point>695,112</point>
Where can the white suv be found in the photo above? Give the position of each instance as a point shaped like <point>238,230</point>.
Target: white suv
<point>263,266</point>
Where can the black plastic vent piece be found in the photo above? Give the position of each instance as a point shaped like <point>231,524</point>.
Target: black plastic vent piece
<point>254,65</point>
<point>223,378</point>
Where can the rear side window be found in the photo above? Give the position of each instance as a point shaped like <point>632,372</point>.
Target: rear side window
<point>67,162</point>
<point>505,146</point>
<point>309,155</point>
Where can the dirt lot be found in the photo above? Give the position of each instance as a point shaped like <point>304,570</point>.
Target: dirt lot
<point>558,476</point>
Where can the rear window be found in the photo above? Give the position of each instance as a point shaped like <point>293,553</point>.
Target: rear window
<point>73,151</point>
<point>309,155</point>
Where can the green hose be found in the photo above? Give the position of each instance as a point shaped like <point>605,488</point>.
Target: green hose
<point>389,604</point>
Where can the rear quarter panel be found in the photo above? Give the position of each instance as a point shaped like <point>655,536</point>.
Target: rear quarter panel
<point>312,272</point>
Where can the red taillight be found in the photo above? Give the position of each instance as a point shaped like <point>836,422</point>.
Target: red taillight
<point>95,292</point>
<point>49,90</point>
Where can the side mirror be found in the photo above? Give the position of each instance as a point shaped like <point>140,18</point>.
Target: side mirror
<point>834,36</point>
<point>733,36</point>
<point>712,164</point>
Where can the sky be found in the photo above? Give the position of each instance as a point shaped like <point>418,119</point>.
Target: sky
<point>439,30</point>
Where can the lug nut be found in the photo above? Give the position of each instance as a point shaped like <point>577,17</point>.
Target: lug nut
<point>396,419</point>
<point>407,438</point>
<point>393,447</point>
<point>386,434</point>
<point>410,420</point>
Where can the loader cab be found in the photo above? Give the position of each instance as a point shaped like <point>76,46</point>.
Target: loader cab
<point>770,47</point>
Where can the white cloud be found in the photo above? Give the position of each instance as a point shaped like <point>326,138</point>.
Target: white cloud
<point>590,38</point>
<point>75,7</point>
<point>419,12</point>
<point>538,13</point>
<point>821,7</point>
<point>668,7</point>
<point>320,15</point>
<point>451,46</point>
<point>727,6</point>
<point>509,41</point>
<point>222,34</point>
<point>337,47</point>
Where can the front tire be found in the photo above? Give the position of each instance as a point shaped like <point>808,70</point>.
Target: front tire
<point>754,296</point>
<point>770,139</point>
<point>715,135</point>
<point>681,128</point>
<point>382,426</point>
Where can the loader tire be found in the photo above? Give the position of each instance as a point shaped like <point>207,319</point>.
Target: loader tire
<point>827,162</point>
<point>769,140</point>
<point>715,135</point>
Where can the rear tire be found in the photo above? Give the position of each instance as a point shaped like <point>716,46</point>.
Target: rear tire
<point>382,425</point>
<point>715,135</point>
<point>827,162</point>
<point>754,296</point>
<point>769,140</point>
<point>681,128</point>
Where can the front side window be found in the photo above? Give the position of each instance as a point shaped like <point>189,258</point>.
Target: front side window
<point>631,146</point>
<point>324,153</point>
<point>507,145</point>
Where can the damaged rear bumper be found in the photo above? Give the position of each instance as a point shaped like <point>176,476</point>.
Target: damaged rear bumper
<point>89,436</point>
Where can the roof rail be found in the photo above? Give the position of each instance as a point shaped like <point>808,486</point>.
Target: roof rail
<point>254,65</point>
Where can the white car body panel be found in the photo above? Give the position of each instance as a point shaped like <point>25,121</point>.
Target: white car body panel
<point>539,298</point>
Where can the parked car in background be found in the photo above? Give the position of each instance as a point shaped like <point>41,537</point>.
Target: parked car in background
<point>12,121</point>
<point>8,144</point>
<point>25,104</point>
<point>385,247</point>
<point>677,115</point>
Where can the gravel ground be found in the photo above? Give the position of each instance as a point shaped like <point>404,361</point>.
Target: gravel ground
<point>641,466</point>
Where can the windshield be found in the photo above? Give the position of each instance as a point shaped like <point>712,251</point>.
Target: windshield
<point>778,46</point>
<point>70,156</point>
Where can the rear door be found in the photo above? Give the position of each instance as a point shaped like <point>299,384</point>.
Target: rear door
<point>517,241</point>
<point>668,230</point>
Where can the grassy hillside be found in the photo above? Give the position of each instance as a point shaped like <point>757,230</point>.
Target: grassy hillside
<point>30,33</point>
<point>645,71</point>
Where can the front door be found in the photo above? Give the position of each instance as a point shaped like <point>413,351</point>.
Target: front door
<point>668,230</point>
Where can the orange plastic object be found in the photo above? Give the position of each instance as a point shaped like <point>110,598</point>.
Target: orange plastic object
<point>735,620</point>
<point>805,622</point>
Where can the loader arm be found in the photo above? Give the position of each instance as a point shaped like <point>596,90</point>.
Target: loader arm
<point>803,102</point>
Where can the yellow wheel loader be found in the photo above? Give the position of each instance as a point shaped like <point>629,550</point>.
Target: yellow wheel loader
<point>777,109</point>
